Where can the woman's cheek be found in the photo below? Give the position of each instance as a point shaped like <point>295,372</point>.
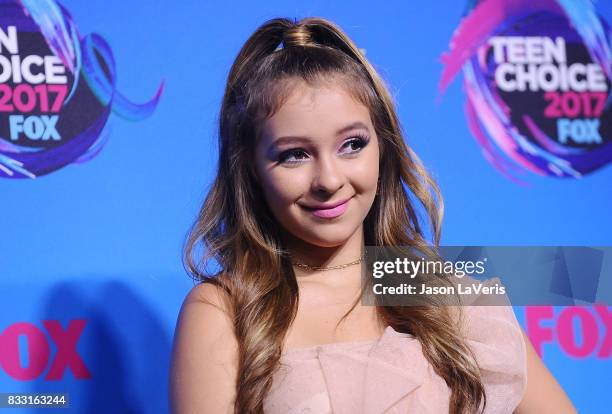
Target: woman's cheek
<point>365,177</point>
<point>285,187</point>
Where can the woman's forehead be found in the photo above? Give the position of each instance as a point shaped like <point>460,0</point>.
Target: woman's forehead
<point>312,110</point>
<point>277,92</point>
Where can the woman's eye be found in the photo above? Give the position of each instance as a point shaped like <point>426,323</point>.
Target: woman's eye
<point>355,144</point>
<point>297,155</point>
<point>291,156</point>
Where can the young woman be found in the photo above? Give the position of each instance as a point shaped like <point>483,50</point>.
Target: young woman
<point>312,168</point>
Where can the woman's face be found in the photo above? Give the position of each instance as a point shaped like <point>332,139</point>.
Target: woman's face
<point>317,162</point>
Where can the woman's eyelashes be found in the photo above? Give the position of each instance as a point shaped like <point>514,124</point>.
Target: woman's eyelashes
<point>297,155</point>
<point>356,144</point>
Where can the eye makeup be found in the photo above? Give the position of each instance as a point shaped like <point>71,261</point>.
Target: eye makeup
<point>358,140</point>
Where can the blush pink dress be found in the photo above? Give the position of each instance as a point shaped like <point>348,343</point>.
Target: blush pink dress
<point>391,374</point>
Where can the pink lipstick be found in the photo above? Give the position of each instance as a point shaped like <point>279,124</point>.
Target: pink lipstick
<point>329,210</point>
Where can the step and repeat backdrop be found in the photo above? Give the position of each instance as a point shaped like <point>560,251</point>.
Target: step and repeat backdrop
<point>108,112</point>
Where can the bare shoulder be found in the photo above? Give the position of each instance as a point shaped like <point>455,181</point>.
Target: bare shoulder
<point>208,293</point>
<point>204,354</point>
<point>543,394</point>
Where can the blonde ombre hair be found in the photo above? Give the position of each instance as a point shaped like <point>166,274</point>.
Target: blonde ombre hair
<point>236,228</point>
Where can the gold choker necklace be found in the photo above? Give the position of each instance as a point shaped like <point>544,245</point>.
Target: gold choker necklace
<point>342,266</point>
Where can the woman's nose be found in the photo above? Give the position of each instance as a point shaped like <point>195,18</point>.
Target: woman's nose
<point>328,175</point>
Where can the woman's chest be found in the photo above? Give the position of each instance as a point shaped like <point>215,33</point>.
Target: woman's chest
<point>319,320</point>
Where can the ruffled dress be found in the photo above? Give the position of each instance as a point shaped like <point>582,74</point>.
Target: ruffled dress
<point>391,374</point>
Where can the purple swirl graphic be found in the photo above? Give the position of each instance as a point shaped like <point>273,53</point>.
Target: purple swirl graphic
<point>57,90</point>
<point>537,80</point>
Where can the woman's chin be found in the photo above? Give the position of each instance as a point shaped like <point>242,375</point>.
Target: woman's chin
<point>326,236</point>
<point>327,240</point>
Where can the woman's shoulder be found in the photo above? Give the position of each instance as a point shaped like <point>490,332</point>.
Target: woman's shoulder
<point>205,316</point>
<point>497,341</point>
<point>204,354</point>
<point>512,372</point>
<point>206,312</point>
<point>212,292</point>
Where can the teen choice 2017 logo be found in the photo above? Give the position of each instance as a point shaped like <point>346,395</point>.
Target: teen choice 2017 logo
<point>57,90</point>
<point>537,79</point>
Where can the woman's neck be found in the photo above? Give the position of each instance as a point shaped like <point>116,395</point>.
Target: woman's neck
<point>322,256</point>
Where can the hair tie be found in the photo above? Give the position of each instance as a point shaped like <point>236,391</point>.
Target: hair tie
<point>296,36</point>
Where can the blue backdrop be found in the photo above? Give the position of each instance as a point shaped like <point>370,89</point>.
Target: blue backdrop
<point>101,241</point>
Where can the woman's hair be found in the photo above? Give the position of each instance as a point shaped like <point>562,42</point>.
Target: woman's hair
<point>236,227</point>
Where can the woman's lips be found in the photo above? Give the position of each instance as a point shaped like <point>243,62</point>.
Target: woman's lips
<point>329,212</point>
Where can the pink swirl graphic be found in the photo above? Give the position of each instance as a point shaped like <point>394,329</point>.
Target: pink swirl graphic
<point>537,80</point>
<point>57,90</point>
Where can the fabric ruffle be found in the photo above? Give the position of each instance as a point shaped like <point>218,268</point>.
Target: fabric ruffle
<point>391,374</point>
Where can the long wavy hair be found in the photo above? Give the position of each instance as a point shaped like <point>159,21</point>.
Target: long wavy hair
<point>236,228</point>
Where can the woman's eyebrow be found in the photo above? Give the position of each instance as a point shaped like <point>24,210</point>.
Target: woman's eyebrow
<point>298,139</point>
